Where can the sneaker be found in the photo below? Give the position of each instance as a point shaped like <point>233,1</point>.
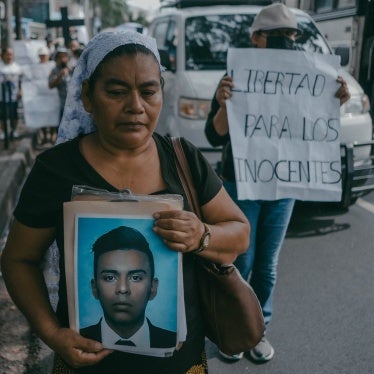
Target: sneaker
<point>263,351</point>
<point>236,357</point>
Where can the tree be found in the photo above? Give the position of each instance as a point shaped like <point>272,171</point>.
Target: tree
<point>113,13</point>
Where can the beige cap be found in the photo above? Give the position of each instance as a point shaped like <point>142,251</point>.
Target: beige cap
<point>274,16</point>
<point>43,51</point>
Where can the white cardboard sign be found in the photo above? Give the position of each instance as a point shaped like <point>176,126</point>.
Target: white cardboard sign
<point>41,104</point>
<point>284,124</point>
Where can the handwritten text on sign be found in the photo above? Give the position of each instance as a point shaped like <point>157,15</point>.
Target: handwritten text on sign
<point>284,124</point>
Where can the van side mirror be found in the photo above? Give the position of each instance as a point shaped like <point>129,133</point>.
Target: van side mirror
<point>165,59</point>
<point>343,52</point>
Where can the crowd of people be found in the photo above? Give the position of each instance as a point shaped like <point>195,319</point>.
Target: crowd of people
<point>111,97</point>
<point>61,62</point>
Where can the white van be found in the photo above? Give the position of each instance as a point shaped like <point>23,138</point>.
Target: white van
<point>193,43</point>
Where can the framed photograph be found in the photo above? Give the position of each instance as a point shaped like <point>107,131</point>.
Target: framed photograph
<point>125,287</point>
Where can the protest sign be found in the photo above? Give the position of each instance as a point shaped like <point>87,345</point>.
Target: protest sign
<point>284,123</point>
<point>41,104</point>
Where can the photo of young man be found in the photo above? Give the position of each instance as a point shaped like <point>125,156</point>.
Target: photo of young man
<point>124,282</point>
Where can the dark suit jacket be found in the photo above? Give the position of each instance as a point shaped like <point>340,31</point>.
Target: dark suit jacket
<point>159,338</point>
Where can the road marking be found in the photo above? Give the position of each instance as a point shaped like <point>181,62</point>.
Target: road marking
<point>365,204</point>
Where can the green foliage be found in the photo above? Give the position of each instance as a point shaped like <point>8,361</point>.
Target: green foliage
<point>113,12</point>
<point>141,19</point>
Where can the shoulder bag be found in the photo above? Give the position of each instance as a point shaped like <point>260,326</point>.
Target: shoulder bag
<point>231,311</point>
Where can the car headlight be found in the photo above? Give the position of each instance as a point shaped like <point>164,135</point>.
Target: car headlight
<point>194,109</point>
<point>357,104</point>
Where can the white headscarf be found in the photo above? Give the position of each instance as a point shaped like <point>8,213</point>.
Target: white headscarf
<point>75,119</point>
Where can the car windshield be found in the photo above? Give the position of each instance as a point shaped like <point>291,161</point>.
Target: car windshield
<point>209,37</point>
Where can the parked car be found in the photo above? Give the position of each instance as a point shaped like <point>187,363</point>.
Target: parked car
<point>193,42</point>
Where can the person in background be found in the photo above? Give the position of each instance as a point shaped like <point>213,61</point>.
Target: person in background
<point>11,77</point>
<point>107,141</point>
<point>43,54</point>
<point>50,45</point>
<point>46,134</point>
<point>60,75</point>
<point>59,43</point>
<point>77,54</point>
<point>275,26</point>
<point>75,50</point>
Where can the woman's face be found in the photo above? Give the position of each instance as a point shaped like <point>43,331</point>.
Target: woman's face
<point>126,99</point>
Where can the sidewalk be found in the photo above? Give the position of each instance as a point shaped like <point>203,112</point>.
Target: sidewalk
<point>14,164</point>
<point>20,350</point>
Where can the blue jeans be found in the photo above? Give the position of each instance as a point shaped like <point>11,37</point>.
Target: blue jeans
<point>269,221</point>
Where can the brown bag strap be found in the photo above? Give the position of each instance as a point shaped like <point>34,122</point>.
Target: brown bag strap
<point>185,176</point>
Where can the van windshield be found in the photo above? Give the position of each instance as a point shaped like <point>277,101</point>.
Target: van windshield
<point>209,37</point>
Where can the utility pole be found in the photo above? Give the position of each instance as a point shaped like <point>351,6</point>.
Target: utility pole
<point>7,26</point>
<point>2,21</point>
<point>17,15</point>
<point>88,14</point>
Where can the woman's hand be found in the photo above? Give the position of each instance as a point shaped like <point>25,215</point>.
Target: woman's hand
<point>224,90</point>
<point>180,230</point>
<point>343,93</point>
<point>76,350</point>
<point>229,229</point>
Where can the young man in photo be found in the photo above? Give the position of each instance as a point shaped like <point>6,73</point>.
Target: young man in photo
<point>124,282</point>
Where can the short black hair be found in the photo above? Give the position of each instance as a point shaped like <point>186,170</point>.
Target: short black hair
<point>122,238</point>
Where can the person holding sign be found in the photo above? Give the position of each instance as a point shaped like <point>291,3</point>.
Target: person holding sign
<point>107,141</point>
<point>275,26</point>
<point>124,282</point>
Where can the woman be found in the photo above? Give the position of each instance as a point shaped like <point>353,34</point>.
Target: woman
<point>275,26</point>
<point>116,91</point>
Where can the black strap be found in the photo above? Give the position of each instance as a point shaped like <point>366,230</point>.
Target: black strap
<point>185,176</point>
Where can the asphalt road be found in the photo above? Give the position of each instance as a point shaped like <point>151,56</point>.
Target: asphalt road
<point>324,301</point>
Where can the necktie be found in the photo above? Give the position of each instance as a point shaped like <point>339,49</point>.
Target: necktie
<point>125,342</point>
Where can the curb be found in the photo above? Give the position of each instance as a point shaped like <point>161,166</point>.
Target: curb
<point>13,170</point>
<point>22,350</point>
